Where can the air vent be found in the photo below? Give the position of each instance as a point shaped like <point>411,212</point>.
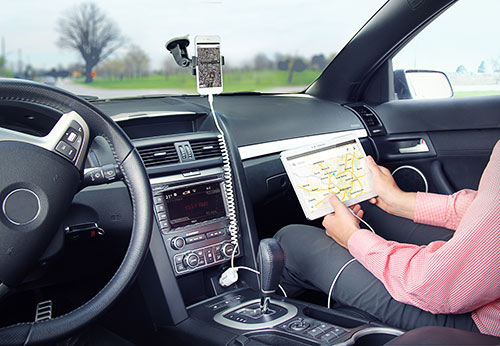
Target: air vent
<point>163,154</point>
<point>205,148</point>
<point>369,118</point>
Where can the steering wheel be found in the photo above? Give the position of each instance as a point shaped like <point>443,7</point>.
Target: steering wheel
<point>38,178</point>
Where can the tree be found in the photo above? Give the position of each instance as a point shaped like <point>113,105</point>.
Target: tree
<point>298,65</point>
<point>136,62</point>
<point>86,29</point>
<point>262,62</point>
<point>482,67</point>
<point>461,69</point>
<point>318,61</point>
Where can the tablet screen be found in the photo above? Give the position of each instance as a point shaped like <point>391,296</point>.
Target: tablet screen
<point>336,166</point>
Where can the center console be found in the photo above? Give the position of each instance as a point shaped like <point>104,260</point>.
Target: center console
<point>193,217</point>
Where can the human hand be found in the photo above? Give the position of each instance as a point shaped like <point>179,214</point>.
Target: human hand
<point>341,224</point>
<point>390,197</point>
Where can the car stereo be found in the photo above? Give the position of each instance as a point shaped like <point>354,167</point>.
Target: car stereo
<point>194,222</point>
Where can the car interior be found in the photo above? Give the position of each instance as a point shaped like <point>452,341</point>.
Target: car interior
<point>111,247</point>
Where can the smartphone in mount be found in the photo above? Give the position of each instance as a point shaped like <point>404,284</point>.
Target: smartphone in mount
<point>209,64</point>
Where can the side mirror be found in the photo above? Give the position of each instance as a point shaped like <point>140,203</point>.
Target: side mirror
<point>421,84</point>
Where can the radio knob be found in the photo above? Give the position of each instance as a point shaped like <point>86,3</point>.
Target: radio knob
<point>191,260</point>
<point>227,250</point>
<point>177,243</point>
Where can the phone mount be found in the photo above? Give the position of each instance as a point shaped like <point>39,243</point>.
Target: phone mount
<point>178,48</point>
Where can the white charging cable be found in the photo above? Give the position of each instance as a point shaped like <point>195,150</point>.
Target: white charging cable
<point>330,292</point>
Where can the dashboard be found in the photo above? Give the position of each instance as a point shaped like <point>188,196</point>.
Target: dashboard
<point>181,149</point>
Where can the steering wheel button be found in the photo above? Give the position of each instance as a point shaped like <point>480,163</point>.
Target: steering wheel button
<point>66,150</point>
<point>71,136</point>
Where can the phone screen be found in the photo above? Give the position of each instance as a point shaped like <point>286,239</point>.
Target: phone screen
<point>209,66</point>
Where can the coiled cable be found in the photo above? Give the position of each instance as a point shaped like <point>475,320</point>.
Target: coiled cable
<point>228,182</point>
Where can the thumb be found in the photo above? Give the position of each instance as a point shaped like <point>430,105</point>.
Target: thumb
<point>335,202</point>
<point>372,165</point>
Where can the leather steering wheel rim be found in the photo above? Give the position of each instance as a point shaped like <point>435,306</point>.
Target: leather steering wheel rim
<point>137,182</point>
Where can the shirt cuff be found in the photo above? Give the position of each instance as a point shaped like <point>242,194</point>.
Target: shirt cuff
<point>361,242</point>
<point>430,209</point>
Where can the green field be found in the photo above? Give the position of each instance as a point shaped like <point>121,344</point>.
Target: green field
<point>475,93</point>
<point>233,81</point>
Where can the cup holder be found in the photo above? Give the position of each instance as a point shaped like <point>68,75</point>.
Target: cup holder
<point>372,336</point>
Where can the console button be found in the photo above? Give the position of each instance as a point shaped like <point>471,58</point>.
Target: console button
<point>191,260</point>
<point>177,243</point>
<point>195,238</point>
<point>216,233</point>
<point>162,216</point>
<point>315,332</point>
<point>159,208</point>
<point>158,199</point>
<point>180,267</point>
<point>164,224</point>
<point>227,250</point>
<point>209,255</point>
<point>329,337</point>
<point>299,325</point>
<point>217,252</point>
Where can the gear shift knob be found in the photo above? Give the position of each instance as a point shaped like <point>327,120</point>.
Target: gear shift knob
<point>271,260</point>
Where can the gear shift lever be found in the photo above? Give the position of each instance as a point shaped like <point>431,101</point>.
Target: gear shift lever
<point>271,260</point>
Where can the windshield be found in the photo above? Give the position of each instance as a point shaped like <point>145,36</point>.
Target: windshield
<point>116,48</point>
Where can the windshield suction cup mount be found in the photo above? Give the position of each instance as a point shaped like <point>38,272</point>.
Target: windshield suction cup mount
<point>177,46</point>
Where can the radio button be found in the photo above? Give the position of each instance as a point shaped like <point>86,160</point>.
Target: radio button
<point>164,224</point>
<point>159,208</point>
<point>195,238</point>
<point>162,216</point>
<point>227,250</point>
<point>191,260</point>
<point>158,199</point>
<point>177,243</point>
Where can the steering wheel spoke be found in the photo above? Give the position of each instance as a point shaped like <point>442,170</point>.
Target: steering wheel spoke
<point>39,177</point>
<point>68,138</point>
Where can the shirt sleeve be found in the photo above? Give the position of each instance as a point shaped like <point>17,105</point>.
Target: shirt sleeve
<point>441,210</point>
<point>456,276</point>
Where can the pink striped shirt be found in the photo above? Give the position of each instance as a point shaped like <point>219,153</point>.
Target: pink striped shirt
<point>455,276</point>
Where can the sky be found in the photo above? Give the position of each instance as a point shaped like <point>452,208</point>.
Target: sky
<point>246,27</point>
<point>465,35</point>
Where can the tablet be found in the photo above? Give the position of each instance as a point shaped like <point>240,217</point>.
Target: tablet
<point>336,166</point>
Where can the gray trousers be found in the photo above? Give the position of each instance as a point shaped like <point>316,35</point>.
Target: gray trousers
<point>313,260</point>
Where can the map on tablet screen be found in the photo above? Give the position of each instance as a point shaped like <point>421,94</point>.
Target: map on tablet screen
<point>336,166</point>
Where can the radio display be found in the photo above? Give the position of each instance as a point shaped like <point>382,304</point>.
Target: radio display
<point>194,204</point>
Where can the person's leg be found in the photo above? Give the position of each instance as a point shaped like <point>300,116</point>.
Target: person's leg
<point>312,260</point>
<point>402,230</point>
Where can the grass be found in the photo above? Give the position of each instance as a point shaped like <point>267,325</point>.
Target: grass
<point>475,93</point>
<point>233,81</point>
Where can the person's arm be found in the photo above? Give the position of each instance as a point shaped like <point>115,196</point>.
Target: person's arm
<point>428,208</point>
<point>441,210</point>
<point>456,276</point>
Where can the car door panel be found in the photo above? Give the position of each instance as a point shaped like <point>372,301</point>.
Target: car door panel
<point>460,134</point>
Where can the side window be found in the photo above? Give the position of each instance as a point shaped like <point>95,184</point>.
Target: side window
<point>462,43</point>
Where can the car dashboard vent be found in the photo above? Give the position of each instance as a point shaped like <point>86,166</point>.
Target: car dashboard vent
<point>206,148</point>
<point>367,115</point>
<point>369,118</point>
<point>159,155</point>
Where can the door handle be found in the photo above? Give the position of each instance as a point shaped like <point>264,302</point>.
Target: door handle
<point>420,147</point>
